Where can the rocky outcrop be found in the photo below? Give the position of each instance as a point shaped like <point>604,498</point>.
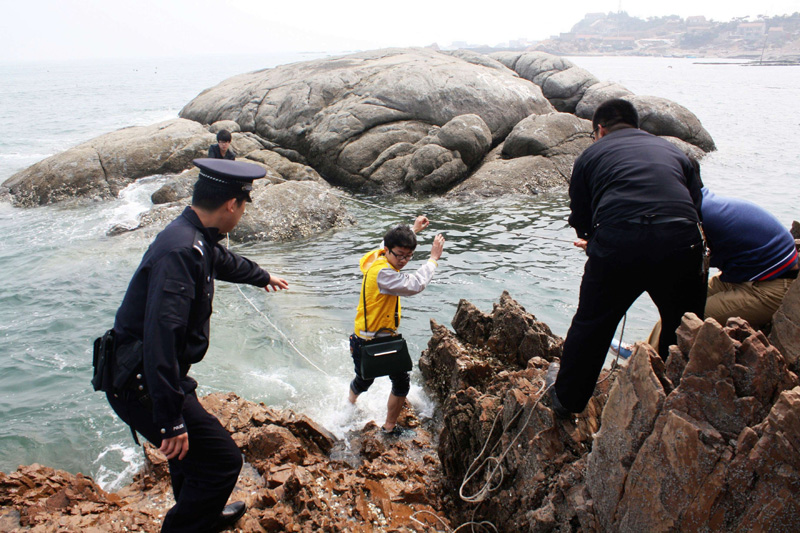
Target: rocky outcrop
<point>100,168</point>
<point>349,116</point>
<point>597,94</point>
<point>283,211</point>
<point>713,450</point>
<point>785,334</point>
<point>499,442</point>
<point>562,82</point>
<point>660,116</point>
<point>548,135</point>
<point>289,482</point>
<point>706,441</point>
<point>290,211</point>
<point>416,121</point>
<point>525,175</point>
<point>574,90</point>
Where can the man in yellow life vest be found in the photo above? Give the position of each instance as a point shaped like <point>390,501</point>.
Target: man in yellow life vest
<point>381,289</point>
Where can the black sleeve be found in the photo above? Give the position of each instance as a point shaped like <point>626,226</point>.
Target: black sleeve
<point>695,185</point>
<point>171,290</point>
<point>580,216</point>
<point>237,269</point>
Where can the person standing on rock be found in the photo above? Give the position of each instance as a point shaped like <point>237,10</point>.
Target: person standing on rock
<point>222,150</point>
<point>635,205</point>
<point>164,323</point>
<point>379,306</point>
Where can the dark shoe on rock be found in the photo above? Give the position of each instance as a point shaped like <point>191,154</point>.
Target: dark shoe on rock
<point>230,515</point>
<point>550,384</point>
<point>398,432</point>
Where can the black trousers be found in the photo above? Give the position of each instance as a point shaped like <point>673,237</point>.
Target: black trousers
<point>664,260</point>
<point>204,479</point>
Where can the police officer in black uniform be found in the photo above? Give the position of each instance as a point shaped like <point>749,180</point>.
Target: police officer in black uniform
<point>165,316</point>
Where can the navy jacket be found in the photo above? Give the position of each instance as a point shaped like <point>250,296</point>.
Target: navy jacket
<point>747,242</point>
<point>168,306</point>
<point>215,153</point>
<point>627,174</point>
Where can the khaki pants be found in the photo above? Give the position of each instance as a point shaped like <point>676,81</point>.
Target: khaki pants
<point>754,301</point>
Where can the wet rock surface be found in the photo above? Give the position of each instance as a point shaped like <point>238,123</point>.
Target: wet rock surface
<point>706,441</point>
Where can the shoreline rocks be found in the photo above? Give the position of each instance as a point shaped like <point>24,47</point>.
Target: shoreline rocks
<point>706,440</point>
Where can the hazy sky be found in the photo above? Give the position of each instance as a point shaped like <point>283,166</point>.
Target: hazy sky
<point>69,29</point>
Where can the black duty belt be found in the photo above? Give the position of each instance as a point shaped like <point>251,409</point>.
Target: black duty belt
<point>658,219</point>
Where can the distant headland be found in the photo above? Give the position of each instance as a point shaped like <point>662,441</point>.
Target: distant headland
<point>775,40</point>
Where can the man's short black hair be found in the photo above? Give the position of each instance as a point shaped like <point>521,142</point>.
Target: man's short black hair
<point>614,112</point>
<point>224,136</point>
<point>209,196</point>
<point>400,236</point>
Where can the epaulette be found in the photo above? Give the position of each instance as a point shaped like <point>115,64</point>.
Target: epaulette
<point>198,243</point>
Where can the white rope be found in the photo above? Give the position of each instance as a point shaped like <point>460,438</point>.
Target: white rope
<point>276,328</point>
<point>488,487</point>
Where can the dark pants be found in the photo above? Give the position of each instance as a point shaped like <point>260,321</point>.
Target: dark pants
<point>664,260</point>
<point>204,479</point>
<point>401,383</point>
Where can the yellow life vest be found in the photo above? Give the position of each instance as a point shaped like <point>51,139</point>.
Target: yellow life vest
<point>380,307</point>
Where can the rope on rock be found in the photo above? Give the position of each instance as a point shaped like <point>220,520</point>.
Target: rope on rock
<point>497,470</point>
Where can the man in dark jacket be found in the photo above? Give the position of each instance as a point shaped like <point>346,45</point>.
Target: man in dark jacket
<point>165,317</point>
<point>635,204</point>
<point>222,150</point>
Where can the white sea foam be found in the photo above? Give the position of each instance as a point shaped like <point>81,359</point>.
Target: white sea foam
<point>134,200</point>
<point>118,464</point>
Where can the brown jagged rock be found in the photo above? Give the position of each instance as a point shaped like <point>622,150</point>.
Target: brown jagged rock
<point>718,453</point>
<point>785,333</point>
<point>489,375</point>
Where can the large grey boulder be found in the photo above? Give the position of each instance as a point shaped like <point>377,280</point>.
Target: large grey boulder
<point>280,211</point>
<point>350,116</point>
<point>661,116</point>
<point>597,94</point>
<point>548,135</point>
<point>562,82</point>
<point>289,211</point>
<point>100,168</point>
<point>527,175</point>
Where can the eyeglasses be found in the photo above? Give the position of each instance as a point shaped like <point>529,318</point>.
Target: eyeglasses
<point>594,133</point>
<point>401,257</point>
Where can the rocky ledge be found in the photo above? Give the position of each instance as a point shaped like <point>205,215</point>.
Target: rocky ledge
<point>707,440</point>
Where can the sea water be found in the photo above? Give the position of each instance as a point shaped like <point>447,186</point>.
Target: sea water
<point>64,277</point>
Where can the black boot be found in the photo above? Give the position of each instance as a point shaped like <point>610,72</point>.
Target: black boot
<point>230,515</point>
<point>550,383</point>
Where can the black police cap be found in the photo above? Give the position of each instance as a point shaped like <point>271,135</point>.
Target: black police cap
<point>233,175</point>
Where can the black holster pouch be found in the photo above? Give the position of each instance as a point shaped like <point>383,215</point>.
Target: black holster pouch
<point>102,361</point>
<point>115,366</point>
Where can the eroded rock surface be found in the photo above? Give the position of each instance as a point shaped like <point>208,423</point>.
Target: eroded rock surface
<point>353,115</point>
<point>100,168</point>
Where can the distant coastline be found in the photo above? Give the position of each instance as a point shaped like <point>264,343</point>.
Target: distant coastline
<point>763,40</point>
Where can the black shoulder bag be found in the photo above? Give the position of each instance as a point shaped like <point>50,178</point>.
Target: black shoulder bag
<point>383,356</point>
